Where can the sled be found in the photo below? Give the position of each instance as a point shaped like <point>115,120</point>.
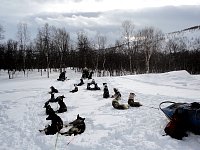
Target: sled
<point>191,112</point>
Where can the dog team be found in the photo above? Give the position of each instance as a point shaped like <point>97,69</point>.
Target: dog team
<point>78,125</point>
<point>75,127</point>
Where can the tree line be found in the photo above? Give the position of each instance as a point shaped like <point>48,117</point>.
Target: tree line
<point>146,50</point>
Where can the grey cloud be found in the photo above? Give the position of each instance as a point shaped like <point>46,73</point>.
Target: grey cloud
<point>168,19</point>
<point>59,1</point>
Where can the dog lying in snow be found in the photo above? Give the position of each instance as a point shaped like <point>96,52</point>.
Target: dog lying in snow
<point>76,127</point>
<point>117,105</point>
<point>56,124</point>
<point>131,101</point>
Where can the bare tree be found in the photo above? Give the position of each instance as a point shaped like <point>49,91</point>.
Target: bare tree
<point>101,43</point>
<point>23,39</point>
<point>128,28</point>
<point>196,44</point>
<point>61,40</point>
<point>83,47</point>
<point>150,40</point>
<point>1,32</point>
<point>43,43</point>
<point>10,59</point>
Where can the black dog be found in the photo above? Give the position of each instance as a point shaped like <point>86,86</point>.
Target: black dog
<point>56,124</point>
<point>105,91</point>
<point>49,110</point>
<point>78,127</point>
<point>81,83</point>
<point>75,89</point>
<point>63,107</point>
<point>53,99</point>
<point>53,90</point>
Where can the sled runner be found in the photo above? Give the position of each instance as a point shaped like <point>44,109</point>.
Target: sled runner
<point>190,111</point>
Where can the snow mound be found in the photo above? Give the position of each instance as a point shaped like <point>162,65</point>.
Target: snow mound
<point>22,113</point>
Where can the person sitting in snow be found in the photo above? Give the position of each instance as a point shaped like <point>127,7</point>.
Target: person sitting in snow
<point>62,76</point>
<point>90,75</point>
<point>96,87</point>
<point>93,81</point>
<point>94,84</point>
<point>105,91</point>
<point>85,73</point>
<point>81,83</point>
<point>75,89</point>
<point>117,94</point>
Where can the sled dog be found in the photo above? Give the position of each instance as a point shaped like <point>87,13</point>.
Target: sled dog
<point>105,91</point>
<point>117,105</point>
<point>76,127</point>
<point>56,124</point>
<point>131,101</point>
<point>53,90</point>
<point>49,110</point>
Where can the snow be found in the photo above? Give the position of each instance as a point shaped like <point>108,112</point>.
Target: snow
<point>22,113</point>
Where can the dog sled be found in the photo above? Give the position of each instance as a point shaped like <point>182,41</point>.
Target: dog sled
<point>190,112</point>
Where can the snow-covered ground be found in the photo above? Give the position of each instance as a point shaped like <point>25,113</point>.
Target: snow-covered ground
<point>22,113</point>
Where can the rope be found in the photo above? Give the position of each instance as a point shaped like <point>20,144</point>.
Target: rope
<point>56,140</point>
<point>70,140</point>
<point>56,137</point>
<point>151,107</point>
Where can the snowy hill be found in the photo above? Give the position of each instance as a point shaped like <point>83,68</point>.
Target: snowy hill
<point>188,36</point>
<point>22,113</point>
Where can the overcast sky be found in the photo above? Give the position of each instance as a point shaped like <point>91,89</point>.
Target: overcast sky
<point>98,16</point>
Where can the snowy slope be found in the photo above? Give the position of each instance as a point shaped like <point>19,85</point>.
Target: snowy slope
<point>188,36</point>
<point>22,113</point>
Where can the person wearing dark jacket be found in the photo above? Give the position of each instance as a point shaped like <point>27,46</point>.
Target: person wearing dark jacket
<point>90,75</point>
<point>85,73</point>
<point>62,76</point>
